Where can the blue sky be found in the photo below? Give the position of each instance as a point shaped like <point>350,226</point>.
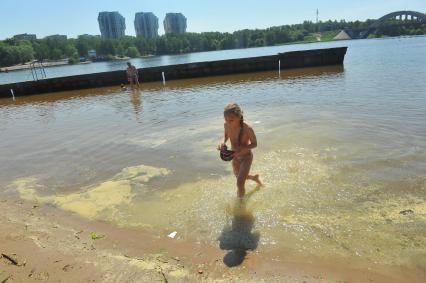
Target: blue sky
<point>46,17</point>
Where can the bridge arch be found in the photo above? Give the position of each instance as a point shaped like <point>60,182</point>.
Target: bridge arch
<point>415,16</point>
<point>409,15</point>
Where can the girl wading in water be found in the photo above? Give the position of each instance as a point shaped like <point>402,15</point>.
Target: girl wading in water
<point>243,140</point>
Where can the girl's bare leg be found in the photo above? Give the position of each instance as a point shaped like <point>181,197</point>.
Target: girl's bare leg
<point>243,173</point>
<point>236,166</point>
<point>255,178</point>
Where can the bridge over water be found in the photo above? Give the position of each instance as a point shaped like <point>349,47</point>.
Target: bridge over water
<point>405,16</point>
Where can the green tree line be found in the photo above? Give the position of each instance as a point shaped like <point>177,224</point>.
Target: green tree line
<point>14,51</point>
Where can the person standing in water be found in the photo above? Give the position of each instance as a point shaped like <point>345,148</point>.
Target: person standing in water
<point>243,140</point>
<point>132,74</point>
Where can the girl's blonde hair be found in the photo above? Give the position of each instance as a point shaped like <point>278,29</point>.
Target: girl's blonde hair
<point>235,109</point>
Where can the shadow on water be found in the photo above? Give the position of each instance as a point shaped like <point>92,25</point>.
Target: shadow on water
<point>237,237</point>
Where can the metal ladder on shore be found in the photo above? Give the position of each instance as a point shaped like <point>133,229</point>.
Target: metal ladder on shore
<point>37,70</point>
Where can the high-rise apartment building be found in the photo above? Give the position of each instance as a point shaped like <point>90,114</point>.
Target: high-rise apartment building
<point>111,24</point>
<point>146,25</point>
<point>174,23</point>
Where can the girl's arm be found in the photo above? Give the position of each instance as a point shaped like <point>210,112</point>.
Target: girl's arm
<point>225,138</point>
<point>225,134</point>
<point>253,139</point>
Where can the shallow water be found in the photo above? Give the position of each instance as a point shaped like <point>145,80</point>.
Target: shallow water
<point>342,152</point>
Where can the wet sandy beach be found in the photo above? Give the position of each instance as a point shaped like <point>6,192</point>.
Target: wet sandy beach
<point>50,245</point>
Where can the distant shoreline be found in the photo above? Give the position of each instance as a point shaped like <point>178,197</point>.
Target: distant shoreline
<point>28,65</point>
<point>61,62</point>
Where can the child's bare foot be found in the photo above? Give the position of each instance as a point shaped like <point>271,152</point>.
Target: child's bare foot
<point>256,178</point>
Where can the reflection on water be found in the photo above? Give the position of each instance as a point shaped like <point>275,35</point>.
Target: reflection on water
<point>136,102</point>
<point>45,99</point>
<point>342,153</point>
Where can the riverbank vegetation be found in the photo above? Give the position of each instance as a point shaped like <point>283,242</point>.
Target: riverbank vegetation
<point>14,51</point>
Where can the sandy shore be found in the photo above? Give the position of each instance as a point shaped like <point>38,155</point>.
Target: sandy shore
<point>42,243</point>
